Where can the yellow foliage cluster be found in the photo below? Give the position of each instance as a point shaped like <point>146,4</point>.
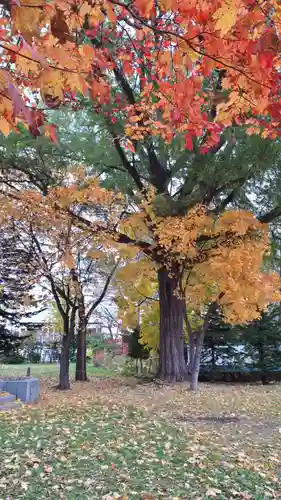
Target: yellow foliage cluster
<point>52,219</point>
<point>150,326</point>
<point>140,275</point>
<point>53,208</point>
<point>135,226</point>
<point>230,269</point>
<point>233,277</point>
<point>220,259</point>
<point>179,234</point>
<point>187,236</point>
<point>137,284</point>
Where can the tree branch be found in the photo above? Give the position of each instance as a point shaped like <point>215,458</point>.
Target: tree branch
<point>231,196</point>
<point>49,277</point>
<point>159,174</point>
<point>127,164</point>
<point>271,215</point>
<point>119,237</point>
<point>102,295</point>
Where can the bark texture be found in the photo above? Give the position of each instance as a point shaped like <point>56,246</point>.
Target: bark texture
<point>196,346</point>
<point>69,327</point>
<point>64,383</point>
<point>196,360</point>
<point>172,314</point>
<point>81,354</point>
<point>192,346</point>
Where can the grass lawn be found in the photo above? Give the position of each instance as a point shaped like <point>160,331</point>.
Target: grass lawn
<point>41,370</point>
<point>110,439</point>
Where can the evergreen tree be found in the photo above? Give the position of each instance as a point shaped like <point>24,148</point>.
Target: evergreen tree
<point>17,273</point>
<point>220,343</point>
<point>262,341</point>
<point>10,345</point>
<point>136,350</point>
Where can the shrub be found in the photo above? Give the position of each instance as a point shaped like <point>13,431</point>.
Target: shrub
<point>34,357</point>
<point>241,377</point>
<point>128,369</point>
<point>13,359</point>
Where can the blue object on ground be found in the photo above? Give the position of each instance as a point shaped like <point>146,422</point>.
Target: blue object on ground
<point>25,389</point>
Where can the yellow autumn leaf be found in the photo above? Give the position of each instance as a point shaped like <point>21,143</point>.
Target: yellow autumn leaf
<point>226,17</point>
<point>186,49</point>
<point>96,16</point>
<point>167,4</point>
<point>25,64</point>
<point>84,9</point>
<point>95,254</point>
<point>4,126</point>
<point>165,59</point>
<point>68,260</point>
<point>110,13</point>
<point>76,82</point>
<point>223,117</point>
<point>4,78</point>
<point>51,85</point>
<point>28,19</point>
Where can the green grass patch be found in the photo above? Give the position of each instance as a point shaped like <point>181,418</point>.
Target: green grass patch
<point>94,451</point>
<point>52,370</point>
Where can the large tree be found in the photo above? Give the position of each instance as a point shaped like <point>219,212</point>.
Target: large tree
<point>181,79</point>
<point>222,179</point>
<point>65,260</point>
<point>165,239</point>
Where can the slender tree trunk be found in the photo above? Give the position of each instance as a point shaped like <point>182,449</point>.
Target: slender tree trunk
<point>198,342</point>
<point>81,354</point>
<point>64,383</point>
<point>191,340</point>
<point>196,360</point>
<point>185,348</point>
<point>213,353</point>
<point>172,313</point>
<point>262,364</point>
<point>69,328</point>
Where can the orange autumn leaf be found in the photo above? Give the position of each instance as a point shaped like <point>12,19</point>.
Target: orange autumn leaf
<point>4,126</point>
<point>225,17</point>
<point>169,57</point>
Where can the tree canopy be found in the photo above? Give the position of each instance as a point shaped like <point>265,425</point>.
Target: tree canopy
<point>173,98</point>
<point>177,56</point>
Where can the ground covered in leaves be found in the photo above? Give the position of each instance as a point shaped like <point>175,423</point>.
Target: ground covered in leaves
<point>110,438</point>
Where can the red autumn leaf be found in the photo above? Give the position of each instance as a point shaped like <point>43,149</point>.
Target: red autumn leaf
<point>188,142</point>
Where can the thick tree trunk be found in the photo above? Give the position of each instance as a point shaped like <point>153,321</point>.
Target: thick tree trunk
<point>172,313</point>
<point>81,354</point>
<point>196,360</point>
<point>64,383</point>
